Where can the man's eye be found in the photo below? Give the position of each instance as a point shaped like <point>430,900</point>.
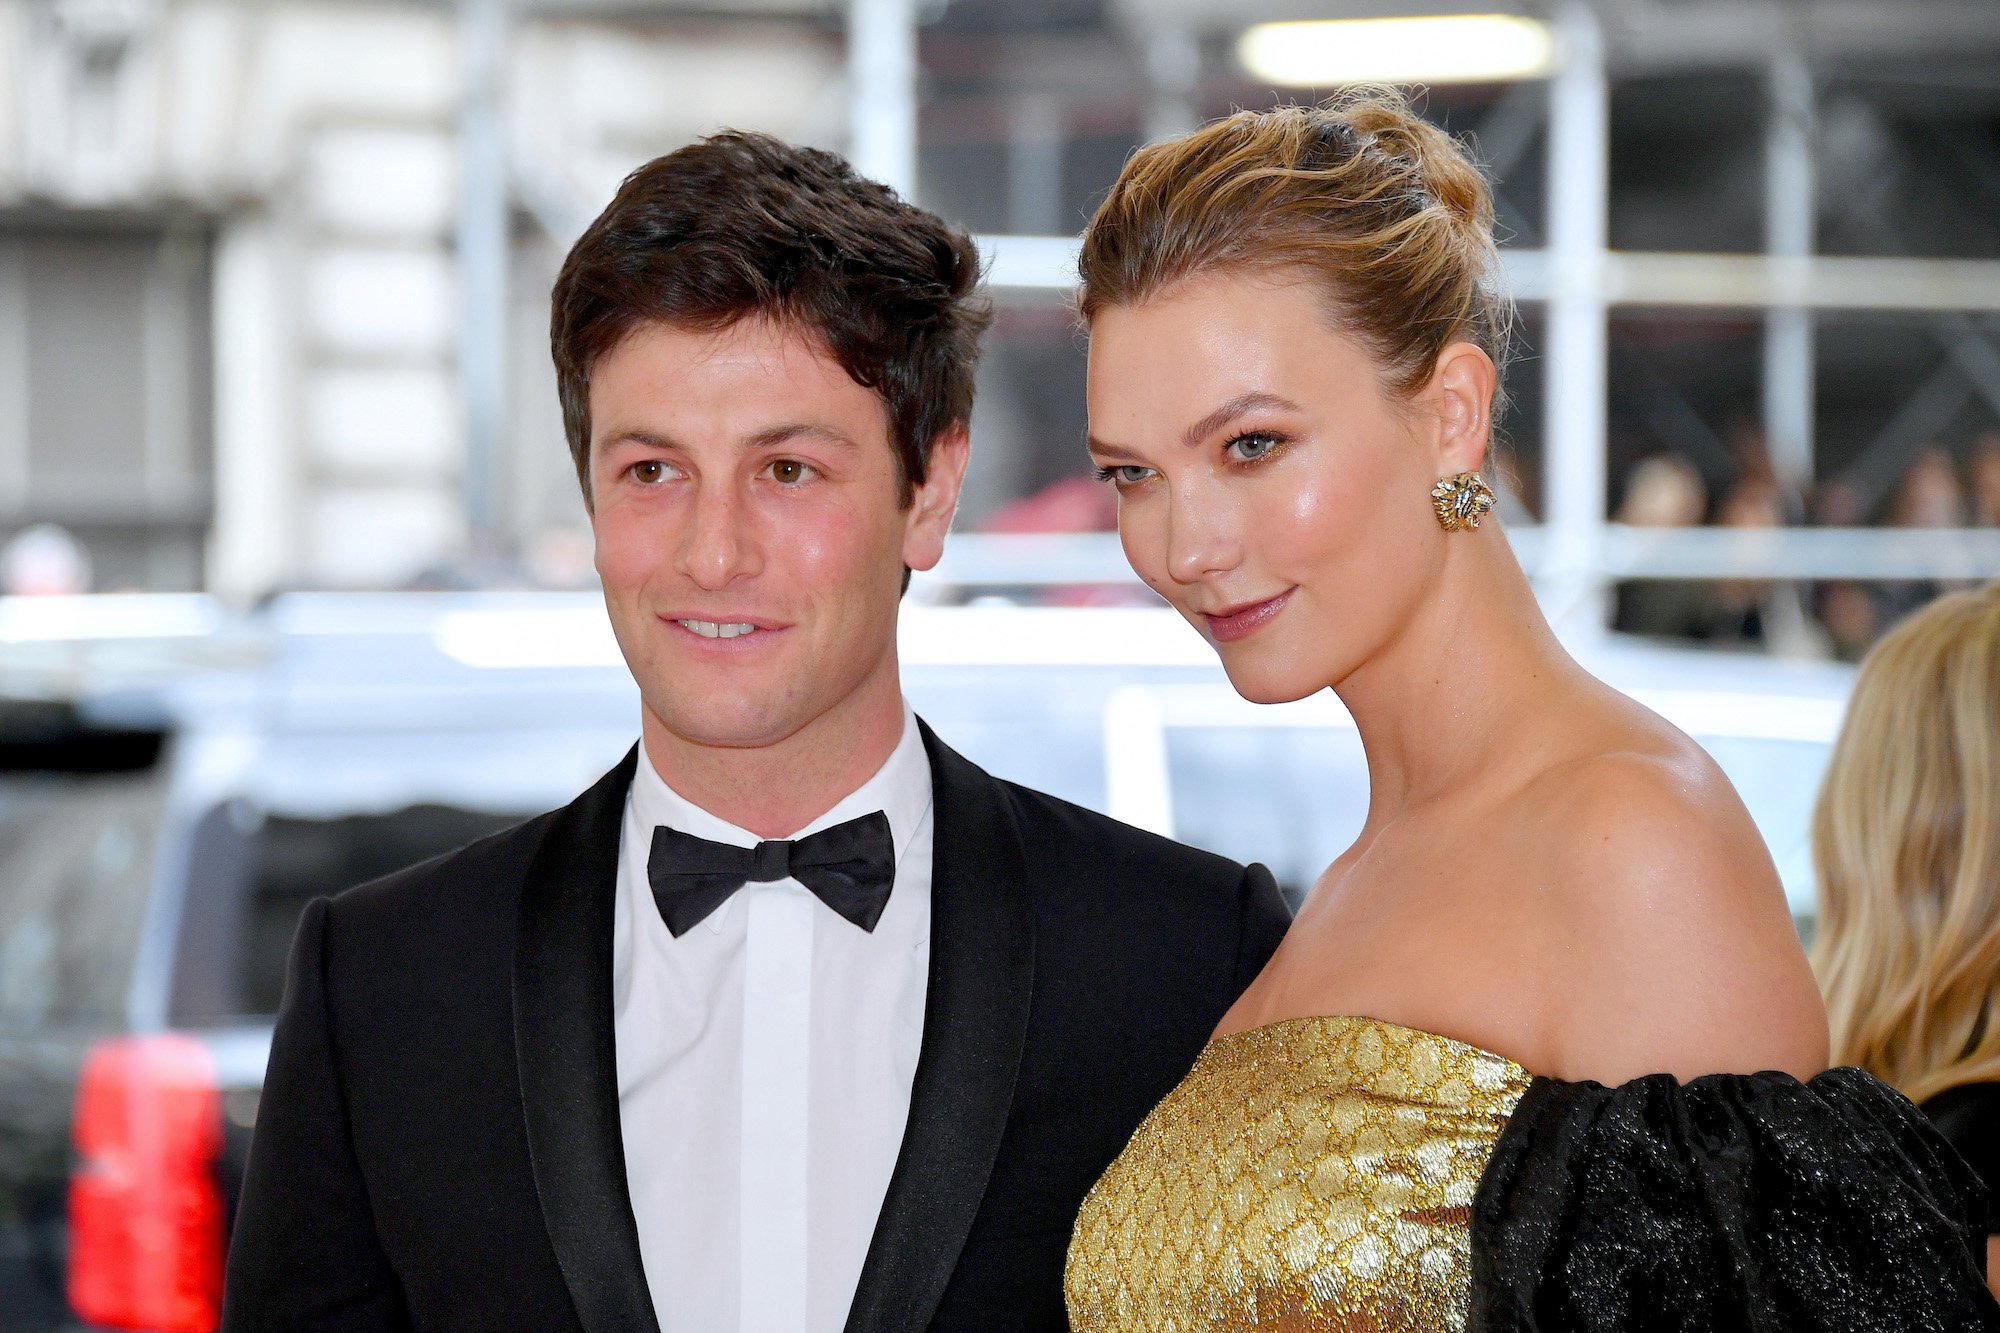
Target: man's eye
<point>649,471</point>
<point>789,471</point>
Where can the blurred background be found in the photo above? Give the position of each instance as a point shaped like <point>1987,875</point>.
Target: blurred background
<point>298,586</point>
<point>273,275</point>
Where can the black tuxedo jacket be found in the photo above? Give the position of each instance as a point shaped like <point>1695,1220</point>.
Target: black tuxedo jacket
<point>438,1144</point>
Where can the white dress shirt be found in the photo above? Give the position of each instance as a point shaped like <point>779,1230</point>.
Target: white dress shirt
<point>764,1067</point>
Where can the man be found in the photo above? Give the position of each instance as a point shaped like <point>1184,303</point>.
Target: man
<point>796,1020</point>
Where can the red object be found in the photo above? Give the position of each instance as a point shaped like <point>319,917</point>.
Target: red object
<point>1074,504</point>
<point>145,1209</point>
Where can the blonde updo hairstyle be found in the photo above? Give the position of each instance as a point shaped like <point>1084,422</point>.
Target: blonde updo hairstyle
<point>1385,212</point>
<point>1906,843</point>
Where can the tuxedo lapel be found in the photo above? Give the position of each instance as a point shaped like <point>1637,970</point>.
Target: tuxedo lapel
<point>568,1059</point>
<point>982,964</point>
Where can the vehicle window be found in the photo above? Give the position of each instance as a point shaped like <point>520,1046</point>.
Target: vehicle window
<point>1779,781</point>
<point>294,860</point>
<point>1291,797</point>
<point>1295,798</point>
<point>77,853</point>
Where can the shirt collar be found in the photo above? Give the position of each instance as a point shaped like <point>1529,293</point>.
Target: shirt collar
<point>900,789</point>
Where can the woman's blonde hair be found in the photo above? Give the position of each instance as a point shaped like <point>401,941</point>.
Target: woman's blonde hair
<point>1906,841</point>
<point>1385,212</point>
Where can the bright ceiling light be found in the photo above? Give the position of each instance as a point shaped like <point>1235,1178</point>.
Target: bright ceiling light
<point>1442,48</point>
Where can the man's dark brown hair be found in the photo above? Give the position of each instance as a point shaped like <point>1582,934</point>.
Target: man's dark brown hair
<point>742,225</point>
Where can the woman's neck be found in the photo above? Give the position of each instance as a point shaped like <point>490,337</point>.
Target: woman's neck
<point>1446,698</point>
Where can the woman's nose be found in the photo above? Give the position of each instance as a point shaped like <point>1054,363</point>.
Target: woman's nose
<point>1202,535</point>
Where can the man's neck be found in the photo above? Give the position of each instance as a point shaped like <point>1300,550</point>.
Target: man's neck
<point>775,790</point>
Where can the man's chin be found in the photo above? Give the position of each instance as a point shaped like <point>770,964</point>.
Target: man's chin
<point>717,725</point>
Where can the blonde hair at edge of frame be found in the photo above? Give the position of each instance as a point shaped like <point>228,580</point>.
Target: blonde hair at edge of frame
<point>1906,842</point>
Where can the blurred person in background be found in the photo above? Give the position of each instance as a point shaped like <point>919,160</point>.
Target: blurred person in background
<point>797,1021</point>
<point>1982,475</point>
<point>1930,495</point>
<point>1845,609</point>
<point>1073,504</point>
<point>1736,609</point>
<point>1542,1049</point>
<point>1663,491</point>
<point>1756,613</point>
<point>43,560</point>
<point>1906,842</point>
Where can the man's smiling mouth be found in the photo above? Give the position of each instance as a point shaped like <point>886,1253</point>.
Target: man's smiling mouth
<point>713,629</point>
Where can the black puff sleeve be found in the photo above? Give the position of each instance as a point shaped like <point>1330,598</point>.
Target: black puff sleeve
<point>1733,1204</point>
<point>1969,1118</point>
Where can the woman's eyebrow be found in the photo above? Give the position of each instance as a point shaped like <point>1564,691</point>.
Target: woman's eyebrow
<point>1099,449</point>
<point>1229,411</point>
<point>1243,402</point>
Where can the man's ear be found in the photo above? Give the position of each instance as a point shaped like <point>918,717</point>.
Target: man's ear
<point>1461,393</point>
<point>936,500</point>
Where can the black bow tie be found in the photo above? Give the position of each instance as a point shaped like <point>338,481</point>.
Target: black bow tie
<point>849,867</point>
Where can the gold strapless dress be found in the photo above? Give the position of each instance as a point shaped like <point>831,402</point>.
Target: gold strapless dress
<point>1315,1174</point>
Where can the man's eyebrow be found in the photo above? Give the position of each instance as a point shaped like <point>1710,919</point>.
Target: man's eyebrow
<point>644,438</point>
<point>763,439</point>
<point>792,430</point>
<point>1229,411</point>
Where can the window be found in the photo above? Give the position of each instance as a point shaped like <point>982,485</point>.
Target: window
<point>104,388</point>
<point>77,853</point>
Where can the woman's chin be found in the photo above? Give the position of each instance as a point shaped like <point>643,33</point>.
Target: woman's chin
<point>1260,685</point>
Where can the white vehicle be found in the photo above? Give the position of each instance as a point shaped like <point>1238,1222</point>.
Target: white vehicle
<point>176,783</point>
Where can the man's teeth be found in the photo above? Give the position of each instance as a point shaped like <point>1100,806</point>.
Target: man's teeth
<point>710,629</point>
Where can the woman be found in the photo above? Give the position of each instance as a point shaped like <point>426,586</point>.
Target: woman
<point>1907,844</point>
<point>1531,1056</point>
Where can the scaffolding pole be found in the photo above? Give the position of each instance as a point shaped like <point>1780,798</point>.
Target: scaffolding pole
<point>1789,215</point>
<point>882,91</point>
<point>1575,366</point>
<point>482,244</point>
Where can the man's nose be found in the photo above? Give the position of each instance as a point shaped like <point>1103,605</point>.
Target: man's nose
<point>1202,535</point>
<point>717,546</point>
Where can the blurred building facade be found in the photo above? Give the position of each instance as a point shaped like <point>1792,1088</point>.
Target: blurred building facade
<point>273,273</point>
<point>239,312</point>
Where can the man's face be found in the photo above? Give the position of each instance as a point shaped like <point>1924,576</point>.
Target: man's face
<point>749,536</point>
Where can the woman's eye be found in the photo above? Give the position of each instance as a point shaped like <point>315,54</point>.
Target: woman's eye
<point>1125,474</point>
<point>789,471</point>
<point>1249,448</point>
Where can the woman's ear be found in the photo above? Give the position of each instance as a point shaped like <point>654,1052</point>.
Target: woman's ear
<point>1461,393</point>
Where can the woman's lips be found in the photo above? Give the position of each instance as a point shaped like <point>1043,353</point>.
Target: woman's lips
<point>1245,620</point>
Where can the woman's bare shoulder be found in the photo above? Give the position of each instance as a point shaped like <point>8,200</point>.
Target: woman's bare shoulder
<point>1667,943</point>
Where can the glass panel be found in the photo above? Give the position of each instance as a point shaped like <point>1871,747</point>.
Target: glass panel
<point>1296,798</point>
<point>1779,781</point>
<point>1293,798</point>
<point>76,861</point>
<point>291,863</point>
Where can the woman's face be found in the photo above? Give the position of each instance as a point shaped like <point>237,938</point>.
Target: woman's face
<point>1269,486</point>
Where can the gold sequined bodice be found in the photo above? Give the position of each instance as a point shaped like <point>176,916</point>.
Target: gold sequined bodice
<point>1311,1175</point>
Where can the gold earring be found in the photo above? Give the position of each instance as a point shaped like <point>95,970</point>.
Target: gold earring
<point>1461,501</point>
